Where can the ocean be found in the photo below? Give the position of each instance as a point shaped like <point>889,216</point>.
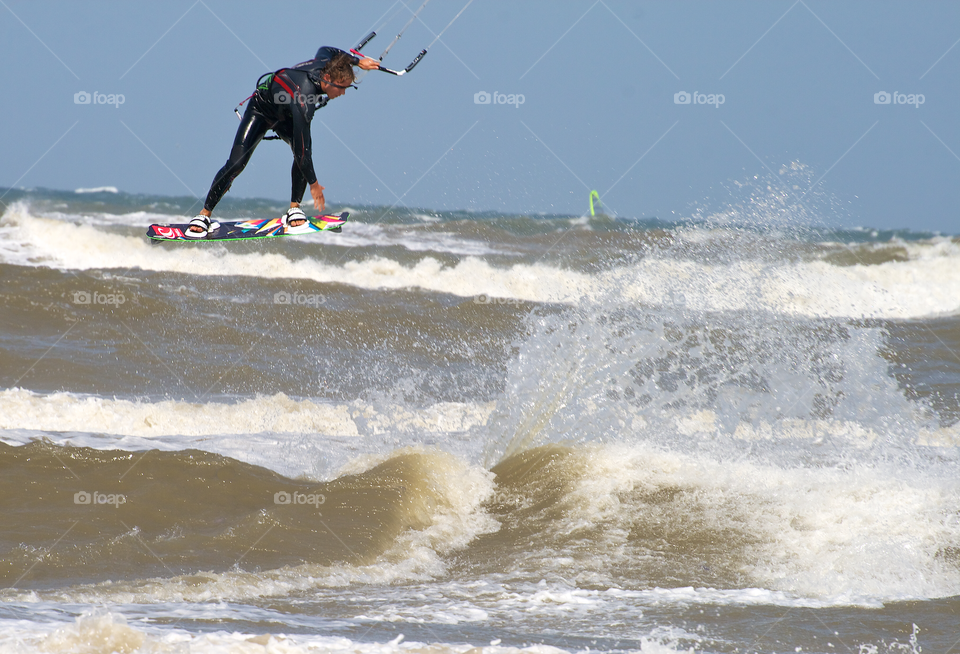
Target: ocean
<point>451,431</point>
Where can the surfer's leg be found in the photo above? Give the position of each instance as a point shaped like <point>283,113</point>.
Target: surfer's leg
<point>252,129</point>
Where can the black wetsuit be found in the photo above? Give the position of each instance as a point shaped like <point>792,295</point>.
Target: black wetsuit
<point>284,102</point>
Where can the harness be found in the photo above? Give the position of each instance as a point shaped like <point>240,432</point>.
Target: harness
<point>263,84</point>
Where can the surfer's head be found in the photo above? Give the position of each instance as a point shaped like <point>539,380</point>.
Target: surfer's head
<point>337,75</point>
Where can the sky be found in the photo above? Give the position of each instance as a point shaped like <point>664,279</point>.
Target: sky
<point>667,109</point>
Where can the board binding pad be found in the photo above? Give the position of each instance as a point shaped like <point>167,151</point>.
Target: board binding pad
<point>247,229</point>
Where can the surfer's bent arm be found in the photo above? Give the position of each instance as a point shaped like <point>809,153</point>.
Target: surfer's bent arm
<point>303,157</point>
<point>302,142</point>
<point>326,52</point>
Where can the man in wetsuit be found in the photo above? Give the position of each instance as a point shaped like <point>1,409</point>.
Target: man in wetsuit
<point>285,102</point>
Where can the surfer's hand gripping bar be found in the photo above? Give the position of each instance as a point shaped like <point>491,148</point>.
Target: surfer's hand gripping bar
<point>416,61</point>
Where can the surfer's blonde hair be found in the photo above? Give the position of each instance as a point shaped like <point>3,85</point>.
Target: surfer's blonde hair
<point>340,69</point>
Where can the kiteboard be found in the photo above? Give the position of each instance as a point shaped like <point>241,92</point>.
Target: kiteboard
<point>247,229</point>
